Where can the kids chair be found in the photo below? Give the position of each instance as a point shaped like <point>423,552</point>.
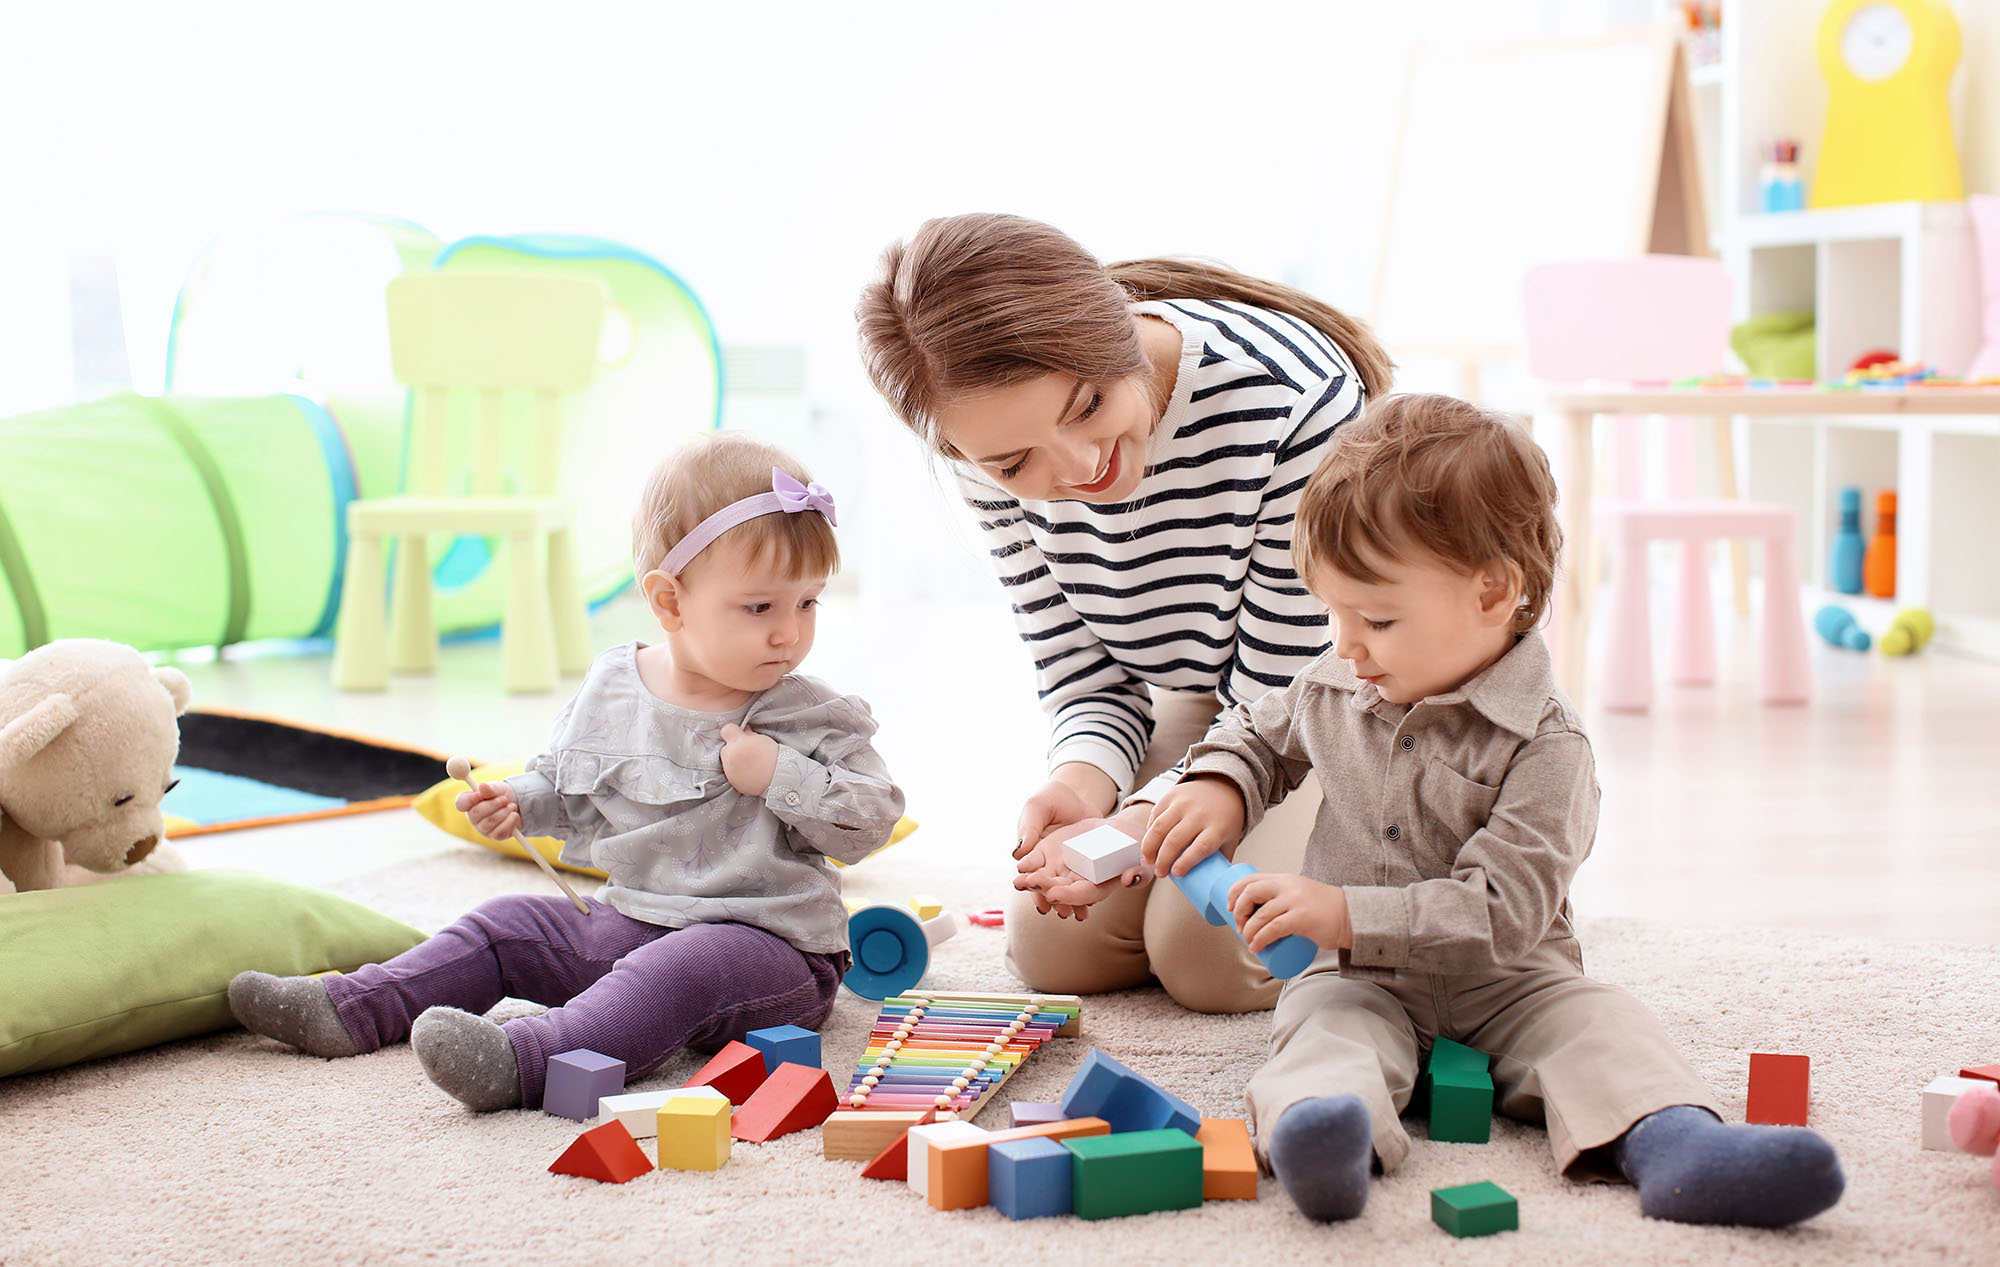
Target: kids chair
<point>486,338</point>
<point>1664,317</point>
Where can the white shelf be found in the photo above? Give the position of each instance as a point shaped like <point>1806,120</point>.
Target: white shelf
<point>1709,76</point>
<point>1850,224</point>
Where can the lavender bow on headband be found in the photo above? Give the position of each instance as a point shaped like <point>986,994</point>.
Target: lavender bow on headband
<point>787,496</point>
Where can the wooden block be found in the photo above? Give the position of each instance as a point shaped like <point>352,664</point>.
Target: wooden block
<point>1939,1096</point>
<point>1105,1088</point>
<point>859,1134</point>
<point>577,1080</point>
<point>1990,1073</point>
<point>792,1099</point>
<point>1100,854</point>
<point>1780,1087</point>
<point>893,1162</point>
<point>959,1166</point>
<point>921,1140</point>
<point>1029,1178</point>
<point>785,1044</point>
<point>1461,1105</point>
<point>1228,1163</point>
<point>736,1071</point>
<point>1475,1209</point>
<point>694,1133</point>
<point>606,1153</point>
<point>926,907</point>
<point>640,1110</point>
<point>1134,1173</point>
<point>1029,1113</point>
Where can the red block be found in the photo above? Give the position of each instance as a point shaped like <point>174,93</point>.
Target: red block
<point>1989,1072</point>
<point>793,1098</point>
<point>736,1071</point>
<point>1779,1089</point>
<point>606,1153</point>
<point>893,1162</point>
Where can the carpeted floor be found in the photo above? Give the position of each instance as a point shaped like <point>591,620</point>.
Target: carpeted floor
<point>231,1149</point>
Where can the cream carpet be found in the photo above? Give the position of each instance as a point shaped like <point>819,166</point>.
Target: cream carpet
<point>231,1149</point>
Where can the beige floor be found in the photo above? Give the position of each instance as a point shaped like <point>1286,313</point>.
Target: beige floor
<point>1874,811</point>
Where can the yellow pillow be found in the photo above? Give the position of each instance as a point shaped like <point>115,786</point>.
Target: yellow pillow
<point>436,805</point>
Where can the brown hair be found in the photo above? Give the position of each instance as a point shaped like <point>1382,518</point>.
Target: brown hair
<point>973,303</point>
<point>1432,474</point>
<point>707,474</point>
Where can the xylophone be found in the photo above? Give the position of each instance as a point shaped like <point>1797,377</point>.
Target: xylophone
<point>940,1052</point>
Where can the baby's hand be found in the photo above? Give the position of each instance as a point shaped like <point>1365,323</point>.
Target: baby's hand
<point>748,759</point>
<point>1195,818</point>
<point>494,812</point>
<point>1270,907</point>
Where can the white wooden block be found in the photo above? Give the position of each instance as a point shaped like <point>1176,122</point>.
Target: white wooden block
<point>641,1109</point>
<point>1101,853</point>
<point>921,1138</point>
<point>1939,1096</point>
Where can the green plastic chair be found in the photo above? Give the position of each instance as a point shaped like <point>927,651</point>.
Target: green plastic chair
<point>491,340</point>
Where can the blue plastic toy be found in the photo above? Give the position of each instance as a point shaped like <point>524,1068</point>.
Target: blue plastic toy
<point>1837,625</point>
<point>1844,564</point>
<point>1207,885</point>
<point>891,948</point>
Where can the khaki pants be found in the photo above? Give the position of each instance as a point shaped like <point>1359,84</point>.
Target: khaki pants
<point>1137,935</point>
<point>1583,1057</point>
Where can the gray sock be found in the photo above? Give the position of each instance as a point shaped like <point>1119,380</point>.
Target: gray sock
<point>1323,1151</point>
<point>1692,1168</point>
<point>294,1010</point>
<point>469,1057</point>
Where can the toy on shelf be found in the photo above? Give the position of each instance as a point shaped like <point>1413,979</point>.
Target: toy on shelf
<point>1975,1125</point>
<point>1475,1209</point>
<point>1101,854</point>
<point>1837,625</point>
<point>1908,632</point>
<point>606,1153</point>
<point>1460,1091</point>
<point>1779,184</point>
<point>1939,1098</point>
<point>891,948</point>
<point>578,1080</point>
<point>1878,568</point>
<point>1887,135</point>
<point>1843,565</point>
<point>1780,1087</point>
<point>1207,885</point>
<point>944,1051</point>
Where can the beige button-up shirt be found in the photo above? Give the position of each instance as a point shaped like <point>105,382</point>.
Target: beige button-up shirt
<point>1454,824</point>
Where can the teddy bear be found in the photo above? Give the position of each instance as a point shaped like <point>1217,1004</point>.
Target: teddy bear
<point>88,737</point>
<point>1975,1124</point>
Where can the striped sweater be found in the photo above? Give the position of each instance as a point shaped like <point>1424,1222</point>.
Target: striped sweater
<point>1189,586</point>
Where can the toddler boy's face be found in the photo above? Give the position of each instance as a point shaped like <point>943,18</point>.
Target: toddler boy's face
<point>744,623</point>
<point>1420,631</point>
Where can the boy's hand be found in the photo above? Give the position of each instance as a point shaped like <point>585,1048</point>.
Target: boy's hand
<point>494,812</point>
<point>1058,888</point>
<point>748,759</point>
<point>1269,908</point>
<point>1196,817</point>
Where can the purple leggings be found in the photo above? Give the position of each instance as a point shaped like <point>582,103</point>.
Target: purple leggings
<point>634,991</point>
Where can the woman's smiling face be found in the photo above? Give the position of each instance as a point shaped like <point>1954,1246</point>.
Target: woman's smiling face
<point>1057,438</point>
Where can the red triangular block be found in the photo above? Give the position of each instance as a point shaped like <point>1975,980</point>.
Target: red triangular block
<point>893,1162</point>
<point>607,1153</point>
<point>793,1098</point>
<point>1989,1072</point>
<point>736,1071</point>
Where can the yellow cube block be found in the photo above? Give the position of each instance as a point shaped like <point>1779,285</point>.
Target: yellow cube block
<point>694,1134</point>
<point>926,906</point>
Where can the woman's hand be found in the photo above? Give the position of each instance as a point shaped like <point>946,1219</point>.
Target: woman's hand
<point>1075,791</point>
<point>1056,887</point>
<point>1197,817</point>
<point>748,759</point>
<point>1269,908</point>
<point>494,812</point>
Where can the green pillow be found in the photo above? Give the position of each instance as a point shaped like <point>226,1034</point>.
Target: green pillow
<point>107,968</point>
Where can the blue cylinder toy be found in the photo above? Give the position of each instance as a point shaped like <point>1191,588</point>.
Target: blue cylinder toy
<point>1207,885</point>
<point>1837,625</point>
<point>1843,567</point>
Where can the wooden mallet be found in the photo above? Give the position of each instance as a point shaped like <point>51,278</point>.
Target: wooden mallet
<point>461,769</point>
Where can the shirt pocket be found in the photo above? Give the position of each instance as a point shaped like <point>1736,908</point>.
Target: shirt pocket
<point>1453,809</point>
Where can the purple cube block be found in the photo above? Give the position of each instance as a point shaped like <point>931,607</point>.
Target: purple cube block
<point>577,1080</point>
<point>1029,1113</point>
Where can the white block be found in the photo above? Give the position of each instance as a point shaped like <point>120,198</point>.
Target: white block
<point>921,1138</point>
<point>640,1110</point>
<point>940,927</point>
<point>1101,853</point>
<point>1939,1096</point>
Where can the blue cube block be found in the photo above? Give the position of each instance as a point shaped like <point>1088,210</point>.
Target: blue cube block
<point>1128,1101</point>
<point>1028,1178</point>
<point>785,1044</point>
<point>577,1080</point>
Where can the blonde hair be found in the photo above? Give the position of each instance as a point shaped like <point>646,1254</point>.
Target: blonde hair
<point>707,474</point>
<point>1437,475</point>
<point>974,303</point>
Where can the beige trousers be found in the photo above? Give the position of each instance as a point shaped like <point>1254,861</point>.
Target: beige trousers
<point>1586,1058</point>
<point>1137,935</point>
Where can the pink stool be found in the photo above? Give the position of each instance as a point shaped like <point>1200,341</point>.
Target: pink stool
<point>1784,672</point>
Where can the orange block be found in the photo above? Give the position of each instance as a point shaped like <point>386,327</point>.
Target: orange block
<point>958,1167</point>
<point>1779,1089</point>
<point>607,1153</point>
<point>791,1099</point>
<point>893,1162</point>
<point>736,1071</point>
<point>1228,1164</point>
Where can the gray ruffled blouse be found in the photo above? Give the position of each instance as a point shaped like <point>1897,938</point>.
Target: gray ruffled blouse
<point>634,785</point>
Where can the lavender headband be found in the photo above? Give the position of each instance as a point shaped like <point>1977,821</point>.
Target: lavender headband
<point>787,496</point>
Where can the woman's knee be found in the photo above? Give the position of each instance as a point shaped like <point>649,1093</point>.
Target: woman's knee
<point>1069,956</point>
<point>1204,968</point>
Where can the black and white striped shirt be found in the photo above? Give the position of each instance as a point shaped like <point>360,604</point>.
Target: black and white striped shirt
<point>1189,586</point>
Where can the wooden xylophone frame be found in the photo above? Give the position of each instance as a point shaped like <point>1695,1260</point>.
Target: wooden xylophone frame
<point>957,1068</point>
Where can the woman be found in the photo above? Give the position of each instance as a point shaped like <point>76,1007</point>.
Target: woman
<point>1132,439</point>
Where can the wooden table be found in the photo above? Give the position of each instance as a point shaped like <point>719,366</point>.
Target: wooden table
<point>1577,408</point>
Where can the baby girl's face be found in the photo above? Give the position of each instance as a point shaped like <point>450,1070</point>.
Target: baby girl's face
<point>744,623</point>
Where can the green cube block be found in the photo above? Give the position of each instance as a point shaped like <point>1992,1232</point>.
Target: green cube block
<point>1136,1172</point>
<point>1461,1106</point>
<point>1445,1054</point>
<point>1475,1209</point>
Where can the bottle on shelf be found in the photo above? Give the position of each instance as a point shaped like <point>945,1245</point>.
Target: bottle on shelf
<point>1878,567</point>
<point>1782,190</point>
<point>1843,565</point>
